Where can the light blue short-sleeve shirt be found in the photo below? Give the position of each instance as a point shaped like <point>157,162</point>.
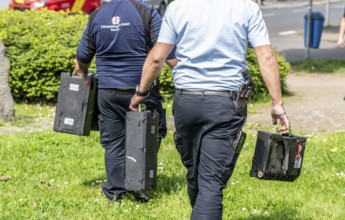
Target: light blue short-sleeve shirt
<point>212,38</point>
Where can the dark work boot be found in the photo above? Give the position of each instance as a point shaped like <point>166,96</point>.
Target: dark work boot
<point>141,195</point>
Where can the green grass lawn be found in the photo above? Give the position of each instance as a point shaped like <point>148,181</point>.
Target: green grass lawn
<point>58,176</point>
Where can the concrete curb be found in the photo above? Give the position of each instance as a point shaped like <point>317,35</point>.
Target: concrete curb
<point>287,4</point>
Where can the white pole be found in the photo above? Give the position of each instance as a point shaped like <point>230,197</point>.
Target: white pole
<point>308,29</point>
<point>327,14</point>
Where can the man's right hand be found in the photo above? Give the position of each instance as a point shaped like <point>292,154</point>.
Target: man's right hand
<point>279,115</point>
<point>135,101</point>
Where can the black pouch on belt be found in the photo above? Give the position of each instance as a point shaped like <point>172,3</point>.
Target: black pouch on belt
<point>244,93</point>
<point>239,141</point>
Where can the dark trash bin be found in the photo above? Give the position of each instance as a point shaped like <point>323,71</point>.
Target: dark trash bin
<point>316,27</point>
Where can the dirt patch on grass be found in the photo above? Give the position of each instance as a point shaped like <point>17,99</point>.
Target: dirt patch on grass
<point>40,125</point>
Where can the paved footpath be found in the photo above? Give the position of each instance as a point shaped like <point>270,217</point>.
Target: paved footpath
<point>316,105</point>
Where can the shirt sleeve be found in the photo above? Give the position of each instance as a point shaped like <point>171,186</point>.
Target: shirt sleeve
<point>173,51</point>
<point>167,33</point>
<point>257,30</point>
<point>86,49</point>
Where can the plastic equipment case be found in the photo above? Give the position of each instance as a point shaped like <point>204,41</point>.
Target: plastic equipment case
<point>76,107</point>
<point>141,150</point>
<point>278,156</point>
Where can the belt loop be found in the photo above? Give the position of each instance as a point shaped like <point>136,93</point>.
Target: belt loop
<point>202,94</point>
<point>178,92</point>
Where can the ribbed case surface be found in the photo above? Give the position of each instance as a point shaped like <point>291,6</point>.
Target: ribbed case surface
<point>141,150</point>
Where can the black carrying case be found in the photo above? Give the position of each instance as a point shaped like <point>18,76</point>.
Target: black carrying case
<point>76,107</point>
<point>141,150</point>
<point>278,156</point>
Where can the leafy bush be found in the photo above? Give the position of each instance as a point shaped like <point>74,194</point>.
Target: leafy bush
<point>40,45</point>
<point>260,87</point>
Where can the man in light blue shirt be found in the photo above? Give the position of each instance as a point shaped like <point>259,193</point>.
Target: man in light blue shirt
<point>212,39</point>
<point>213,60</point>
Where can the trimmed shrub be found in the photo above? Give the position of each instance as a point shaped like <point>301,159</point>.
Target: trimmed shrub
<point>261,91</point>
<point>41,45</point>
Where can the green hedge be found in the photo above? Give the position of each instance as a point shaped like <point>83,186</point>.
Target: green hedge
<point>41,45</point>
<point>260,87</point>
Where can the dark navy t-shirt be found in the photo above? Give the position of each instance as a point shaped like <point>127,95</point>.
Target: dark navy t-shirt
<point>120,34</point>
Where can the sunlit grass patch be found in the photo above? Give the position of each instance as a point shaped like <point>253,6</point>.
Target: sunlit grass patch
<point>319,66</point>
<point>58,176</point>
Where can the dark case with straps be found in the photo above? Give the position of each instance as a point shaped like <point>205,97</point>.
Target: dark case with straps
<point>141,150</point>
<point>76,107</point>
<point>278,156</point>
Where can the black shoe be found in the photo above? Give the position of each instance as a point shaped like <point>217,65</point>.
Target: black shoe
<point>141,195</point>
<point>120,196</point>
<point>113,196</point>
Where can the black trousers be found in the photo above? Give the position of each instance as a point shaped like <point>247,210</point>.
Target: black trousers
<point>113,106</point>
<point>206,127</point>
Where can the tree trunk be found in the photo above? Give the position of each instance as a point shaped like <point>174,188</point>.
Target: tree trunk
<point>7,111</point>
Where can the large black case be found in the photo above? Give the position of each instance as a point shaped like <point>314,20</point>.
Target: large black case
<point>76,107</point>
<point>278,156</point>
<point>141,150</point>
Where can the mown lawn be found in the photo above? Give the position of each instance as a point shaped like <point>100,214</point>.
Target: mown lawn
<point>58,176</point>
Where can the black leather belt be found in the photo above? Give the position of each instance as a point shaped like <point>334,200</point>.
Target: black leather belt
<point>230,94</point>
<point>120,91</point>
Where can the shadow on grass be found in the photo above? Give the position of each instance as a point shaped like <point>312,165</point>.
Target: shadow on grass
<point>170,184</point>
<point>165,184</point>
<point>283,214</point>
<point>95,182</point>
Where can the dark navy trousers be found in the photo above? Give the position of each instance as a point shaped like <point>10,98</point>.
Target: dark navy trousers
<point>206,127</point>
<point>113,106</point>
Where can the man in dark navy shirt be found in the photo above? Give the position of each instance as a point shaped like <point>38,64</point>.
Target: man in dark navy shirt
<point>120,34</point>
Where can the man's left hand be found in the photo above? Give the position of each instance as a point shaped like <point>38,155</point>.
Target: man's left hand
<point>279,116</point>
<point>81,70</point>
